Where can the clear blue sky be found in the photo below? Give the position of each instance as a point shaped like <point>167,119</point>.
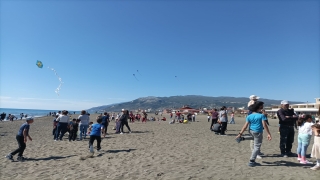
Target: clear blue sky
<point>215,48</point>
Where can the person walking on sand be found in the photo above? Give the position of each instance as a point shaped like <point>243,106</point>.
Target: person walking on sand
<point>105,123</point>
<point>124,121</point>
<point>84,123</point>
<point>22,137</point>
<point>287,120</point>
<point>256,122</point>
<point>62,127</point>
<point>95,134</point>
<point>223,119</point>
<point>232,118</point>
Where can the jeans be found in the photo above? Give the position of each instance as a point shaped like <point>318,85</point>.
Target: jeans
<point>83,129</point>
<point>22,146</point>
<point>286,138</point>
<point>232,121</point>
<point>223,127</point>
<point>61,130</point>
<point>303,143</point>
<point>91,141</point>
<point>257,144</point>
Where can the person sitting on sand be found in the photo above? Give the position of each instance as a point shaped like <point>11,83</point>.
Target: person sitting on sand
<point>22,137</point>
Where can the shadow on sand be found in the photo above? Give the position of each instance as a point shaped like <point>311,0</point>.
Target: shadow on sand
<point>120,150</point>
<point>286,163</point>
<point>48,158</point>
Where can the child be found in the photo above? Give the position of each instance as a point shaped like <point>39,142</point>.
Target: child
<point>304,137</point>
<point>316,146</point>
<point>95,134</point>
<point>73,127</point>
<point>21,137</point>
<point>89,128</point>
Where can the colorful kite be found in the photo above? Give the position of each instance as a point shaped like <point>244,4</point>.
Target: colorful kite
<point>138,72</point>
<point>39,64</point>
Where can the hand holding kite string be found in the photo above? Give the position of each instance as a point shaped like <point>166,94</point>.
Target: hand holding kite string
<point>40,65</point>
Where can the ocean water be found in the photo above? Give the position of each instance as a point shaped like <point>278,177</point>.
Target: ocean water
<point>29,112</point>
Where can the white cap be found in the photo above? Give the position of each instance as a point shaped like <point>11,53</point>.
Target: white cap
<point>284,102</point>
<point>252,97</point>
<point>122,109</point>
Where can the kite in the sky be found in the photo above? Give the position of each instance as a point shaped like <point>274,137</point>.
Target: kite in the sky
<point>39,64</point>
<point>135,77</point>
<point>176,77</point>
<point>138,72</point>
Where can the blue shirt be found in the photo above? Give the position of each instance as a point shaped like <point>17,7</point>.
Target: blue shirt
<point>24,126</point>
<point>255,121</point>
<point>95,130</point>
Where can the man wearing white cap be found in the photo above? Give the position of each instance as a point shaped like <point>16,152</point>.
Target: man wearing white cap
<point>287,120</point>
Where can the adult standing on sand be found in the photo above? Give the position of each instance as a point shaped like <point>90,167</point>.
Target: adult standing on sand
<point>62,127</point>
<point>214,117</point>
<point>287,121</point>
<point>256,122</point>
<point>223,118</point>
<point>84,123</point>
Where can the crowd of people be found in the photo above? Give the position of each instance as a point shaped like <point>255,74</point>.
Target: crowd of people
<point>256,123</point>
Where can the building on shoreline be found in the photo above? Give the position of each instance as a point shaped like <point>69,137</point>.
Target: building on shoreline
<point>307,108</point>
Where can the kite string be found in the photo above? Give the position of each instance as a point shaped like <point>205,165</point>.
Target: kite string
<point>60,80</point>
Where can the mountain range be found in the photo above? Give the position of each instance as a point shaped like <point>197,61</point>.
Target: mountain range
<point>175,102</point>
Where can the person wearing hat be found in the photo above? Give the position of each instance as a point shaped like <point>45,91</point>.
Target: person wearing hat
<point>223,119</point>
<point>22,137</point>
<point>287,121</point>
<point>253,99</point>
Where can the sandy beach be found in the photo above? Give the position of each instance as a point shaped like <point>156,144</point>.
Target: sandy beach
<point>155,150</point>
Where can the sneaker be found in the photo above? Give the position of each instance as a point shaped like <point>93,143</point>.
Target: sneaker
<point>98,150</point>
<point>121,133</point>
<point>91,149</point>
<point>315,168</point>
<point>20,158</point>
<point>252,164</point>
<point>10,157</point>
<point>259,157</point>
<point>284,155</point>
<point>299,159</point>
<point>306,162</point>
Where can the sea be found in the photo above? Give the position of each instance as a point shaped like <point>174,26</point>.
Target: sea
<point>30,112</point>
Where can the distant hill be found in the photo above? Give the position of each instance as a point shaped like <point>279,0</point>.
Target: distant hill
<point>194,101</point>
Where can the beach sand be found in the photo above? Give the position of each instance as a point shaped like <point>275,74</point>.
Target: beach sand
<point>153,151</point>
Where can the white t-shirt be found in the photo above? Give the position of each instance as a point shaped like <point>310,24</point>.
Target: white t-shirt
<point>63,118</point>
<point>306,128</point>
<point>84,119</point>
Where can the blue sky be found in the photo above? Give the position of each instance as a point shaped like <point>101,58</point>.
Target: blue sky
<point>215,48</point>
